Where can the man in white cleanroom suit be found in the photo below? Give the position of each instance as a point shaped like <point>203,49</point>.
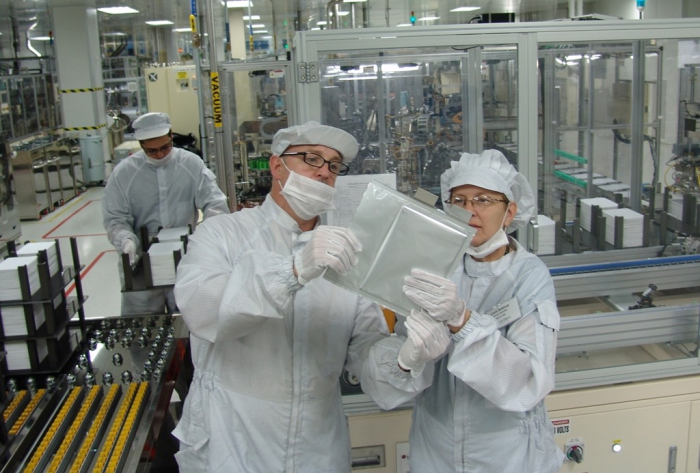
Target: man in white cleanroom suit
<point>484,412</point>
<point>270,338</point>
<point>159,186</point>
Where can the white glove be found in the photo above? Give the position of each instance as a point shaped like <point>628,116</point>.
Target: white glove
<point>427,340</point>
<point>329,247</point>
<point>129,248</point>
<point>437,295</point>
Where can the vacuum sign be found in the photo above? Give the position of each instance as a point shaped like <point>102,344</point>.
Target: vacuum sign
<point>216,100</point>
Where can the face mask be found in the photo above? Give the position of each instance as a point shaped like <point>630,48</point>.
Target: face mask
<point>160,162</point>
<point>498,240</point>
<point>308,198</point>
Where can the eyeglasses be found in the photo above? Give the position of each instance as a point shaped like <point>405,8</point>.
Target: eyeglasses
<point>478,202</point>
<point>163,149</point>
<point>313,159</point>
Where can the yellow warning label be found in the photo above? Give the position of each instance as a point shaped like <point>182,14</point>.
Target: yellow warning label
<point>77,91</point>
<point>83,128</point>
<point>193,24</point>
<point>216,99</point>
<point>182,74</point>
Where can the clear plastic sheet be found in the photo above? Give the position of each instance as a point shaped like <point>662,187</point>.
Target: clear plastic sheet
<point>397,234</point>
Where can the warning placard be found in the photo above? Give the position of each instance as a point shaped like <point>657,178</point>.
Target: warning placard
<point>561,426</point>
<point>216,99</point>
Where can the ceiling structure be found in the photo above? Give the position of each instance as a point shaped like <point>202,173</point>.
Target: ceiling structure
<point>22,19</point>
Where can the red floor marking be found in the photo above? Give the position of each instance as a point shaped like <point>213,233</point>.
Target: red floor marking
<point>68,218</point>
<point>87,270</point>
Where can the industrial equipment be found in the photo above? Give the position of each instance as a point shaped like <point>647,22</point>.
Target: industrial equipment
<point>9,211</point>
<point>258,107</point>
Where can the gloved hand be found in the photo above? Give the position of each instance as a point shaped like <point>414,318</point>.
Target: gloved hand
<point>329,247</point>
<point>129,248</point>
<point>437,295</point>
<point>427,340</point>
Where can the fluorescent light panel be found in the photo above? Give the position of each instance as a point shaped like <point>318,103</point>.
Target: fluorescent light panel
<point>40,38</point>
<point>354,1</point>
<point>117,10</point>
<point>429,18</point>
<point>260,32</point>
<point>159,23</point>
<point>465,9</point>
<point>258,26</point>
<point>238,4</point>
<point>251,18</point>
<point>182,30</point>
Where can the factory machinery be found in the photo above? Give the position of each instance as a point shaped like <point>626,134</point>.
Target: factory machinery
<point>105,412</point>
<point>588,114</point>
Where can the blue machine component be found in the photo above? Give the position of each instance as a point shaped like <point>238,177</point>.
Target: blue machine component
<point>588,268</point>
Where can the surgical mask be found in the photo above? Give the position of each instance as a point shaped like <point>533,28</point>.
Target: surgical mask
<point>160,162</point>
<point>307,197</point>
<point>497,240</point>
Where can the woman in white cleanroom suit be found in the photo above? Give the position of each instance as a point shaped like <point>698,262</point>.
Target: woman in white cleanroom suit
<point>491,332</point>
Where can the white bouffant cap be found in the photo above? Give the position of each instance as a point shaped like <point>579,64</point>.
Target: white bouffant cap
<point>151,125</point>
<point>313,133</point>
<point>491,170</point>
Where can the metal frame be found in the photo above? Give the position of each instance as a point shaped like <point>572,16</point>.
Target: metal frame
<point>312,46</point>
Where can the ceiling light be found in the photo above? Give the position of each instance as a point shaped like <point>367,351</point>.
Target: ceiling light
<point>159,23</point>
<point>40,38</point>
<point>266,37</point>
<point>252,17</point>
<point>260,32</point>
<point>465,9</point>
<point>404,24</point>
<point>343,13</point>
<point>322,22</point>
<point>262,25</point>
<point>117,10</point>
<point>182,30</point>
<point>429,18</point>
<point>238,4</point>
<point>316,29</point>
<point>354,1</point>
<point>114,34</point>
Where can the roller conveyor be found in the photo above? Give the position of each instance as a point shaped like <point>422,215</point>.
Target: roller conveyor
<point>77,425</point>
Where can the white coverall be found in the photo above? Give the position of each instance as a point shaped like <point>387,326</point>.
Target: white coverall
<point>268,352</point>
<point>140,194</point>
<point>484,411</point>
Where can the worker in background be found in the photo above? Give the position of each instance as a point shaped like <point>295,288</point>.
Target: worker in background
<point>270,337</point>
<point>159,186</point>
<point>490,331</point>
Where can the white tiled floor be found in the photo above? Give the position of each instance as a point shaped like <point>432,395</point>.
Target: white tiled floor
<point>81,217</point>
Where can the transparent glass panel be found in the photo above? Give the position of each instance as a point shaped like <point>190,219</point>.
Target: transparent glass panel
<point>414,113</point>
<point>588,94</point>
<point>258,108</point>
<point>17,108</point>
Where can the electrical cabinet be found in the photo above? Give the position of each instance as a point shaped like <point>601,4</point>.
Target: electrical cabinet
<point>173,90</point>
<point>645,427</point>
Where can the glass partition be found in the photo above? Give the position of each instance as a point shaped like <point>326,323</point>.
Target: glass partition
<point>257,108</point>
<point>413,114</point>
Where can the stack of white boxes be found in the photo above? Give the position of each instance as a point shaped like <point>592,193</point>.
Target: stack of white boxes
<point>162,260</point>
<point>586,209</point>
<point>545,235</point>
<point>633,227</point>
